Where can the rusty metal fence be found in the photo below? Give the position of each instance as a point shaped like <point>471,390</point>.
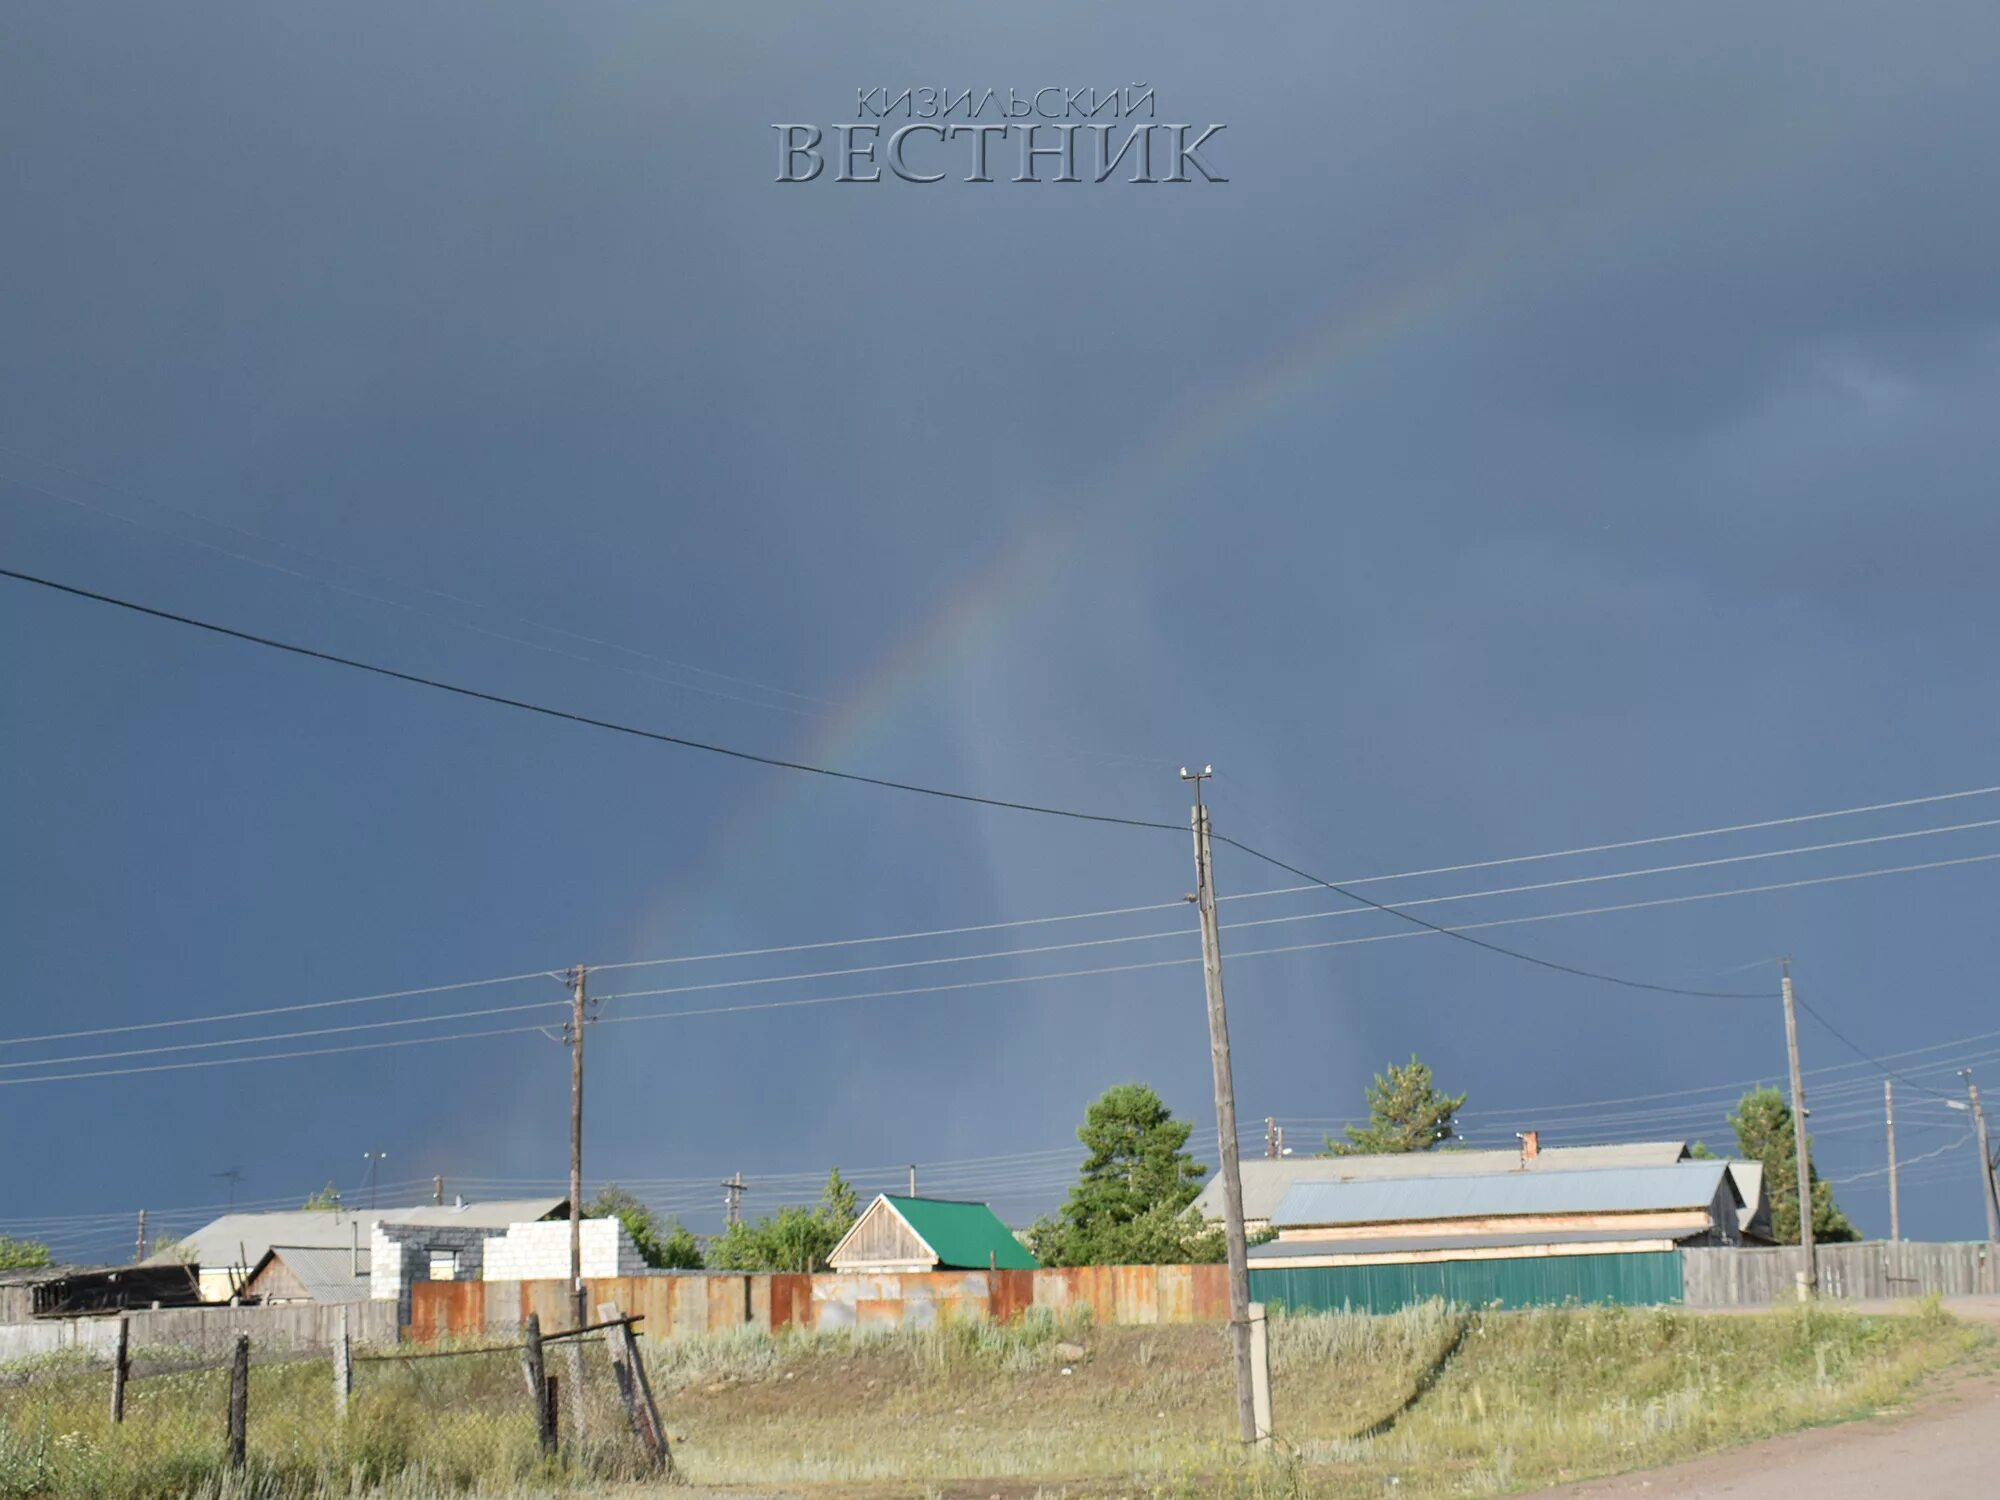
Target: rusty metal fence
<point>687,1304</point>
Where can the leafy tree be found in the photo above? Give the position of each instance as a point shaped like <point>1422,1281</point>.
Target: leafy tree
<point>1763,1125</point>
<point>1699,1152</point>
<point>23,1255</point>
<point>325,1200</point>
<point>668,1247</point>
<point>1405,1113</point>
<point>795,1238</point>
<point>1132,1201</point>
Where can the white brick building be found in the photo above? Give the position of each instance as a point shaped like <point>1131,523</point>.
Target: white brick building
<point>540,1252</point>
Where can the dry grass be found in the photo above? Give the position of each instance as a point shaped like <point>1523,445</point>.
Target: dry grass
<point>1431,1401</point>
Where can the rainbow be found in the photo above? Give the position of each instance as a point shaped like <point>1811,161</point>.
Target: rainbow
<point>1394,313</point>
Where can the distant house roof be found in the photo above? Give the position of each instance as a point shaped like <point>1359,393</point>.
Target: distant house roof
<point>241,1240</point>
<point>326,1275</point>
<point>1266,1181</point>
<point>1688,1184</point>
<point>1419,1244</point>
<point>1755,1218</point>
<point>963,1236</point>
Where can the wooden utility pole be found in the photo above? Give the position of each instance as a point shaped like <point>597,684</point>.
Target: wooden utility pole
<point>139,1250</point>
<point>1986,1184</point>
<point>121,1368</point>
<point>732,1198</point>
<point>1889,1119</point>
<point>1225,1115</point>
<point>239,1401</point>
<point>1809,1286</point>
<point>577,1001</point>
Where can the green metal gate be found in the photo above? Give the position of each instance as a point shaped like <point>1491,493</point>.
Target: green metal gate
<point>1633,1280</point>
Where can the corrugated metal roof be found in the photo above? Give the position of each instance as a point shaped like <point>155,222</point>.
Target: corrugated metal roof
<point>242,1239</point>
<point>1265,1182</point>
<point>1284,1250</point>
<point>336,1275</point>
<point>1688,1184</point>
<point>965,1236</point>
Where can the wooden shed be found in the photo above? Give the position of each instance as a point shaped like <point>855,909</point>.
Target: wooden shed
<point>929,1234</point>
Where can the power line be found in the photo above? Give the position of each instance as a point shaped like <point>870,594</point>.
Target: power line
<point>274,1010</point>
<point>1842,1037</point>
<point>860,778</point>
<point>1430,929</point>
<point>587,720</point>
<point>1463,937</point>
<point>1292,890</point>
<point>762,980</point>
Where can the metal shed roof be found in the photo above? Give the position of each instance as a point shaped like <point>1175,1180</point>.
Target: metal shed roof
<point>1265,1181</point>
<point>1407,1244</point>
<point>963,1236</point>
<point>242,1239</point>
<point>1690,1184</point>
<point>336,1275</point>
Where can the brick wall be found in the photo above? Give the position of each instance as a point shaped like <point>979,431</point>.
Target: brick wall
<point>534,1252</point>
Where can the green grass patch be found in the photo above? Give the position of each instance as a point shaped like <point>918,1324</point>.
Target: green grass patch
<point>1429,1401</point>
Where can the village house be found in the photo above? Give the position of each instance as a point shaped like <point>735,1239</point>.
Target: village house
<point>929,1234</point>
<point>1266,1180</point>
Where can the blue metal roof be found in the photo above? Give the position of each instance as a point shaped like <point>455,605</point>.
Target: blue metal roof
<point>1688,1184</point>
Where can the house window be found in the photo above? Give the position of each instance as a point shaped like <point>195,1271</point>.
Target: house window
<point>444,1265</point>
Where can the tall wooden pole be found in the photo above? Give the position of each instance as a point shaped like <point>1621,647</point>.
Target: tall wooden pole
<point>139,1249</point>
<point>1810,1286</point>
<point>1225,1117</point>
<point>1889,1119</point>
<point>1987,1187</point>
<point>577,1002</point>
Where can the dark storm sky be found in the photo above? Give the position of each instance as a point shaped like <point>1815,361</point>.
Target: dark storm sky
<point>1568,425</point>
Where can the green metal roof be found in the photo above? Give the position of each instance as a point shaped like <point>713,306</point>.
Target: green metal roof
<point>965,1236</point>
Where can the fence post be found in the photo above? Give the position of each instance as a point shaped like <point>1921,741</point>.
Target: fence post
<point>1260,1375</point>
<point>579,1391</point>
<point>343,1368</point>
<point>636,1390</point>
<point>121,1368</point>
<point>239,1401</point>
<point>538,1382</point>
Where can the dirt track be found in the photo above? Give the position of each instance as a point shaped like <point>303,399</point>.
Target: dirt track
<point>1948,1445</point>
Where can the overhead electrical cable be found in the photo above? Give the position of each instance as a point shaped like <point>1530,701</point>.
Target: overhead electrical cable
<point>587,720</point>
<point>860,778</point>
<point>1009,980</point>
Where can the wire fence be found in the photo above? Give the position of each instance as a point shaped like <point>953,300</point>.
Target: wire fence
<point>483,1414</point>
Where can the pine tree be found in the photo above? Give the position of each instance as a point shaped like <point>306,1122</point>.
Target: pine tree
<point>1405,1113</point>
<point>1132,1201</point>
<point>1763,1126</point>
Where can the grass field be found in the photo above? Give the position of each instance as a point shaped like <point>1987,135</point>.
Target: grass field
<point>1432,1401</point>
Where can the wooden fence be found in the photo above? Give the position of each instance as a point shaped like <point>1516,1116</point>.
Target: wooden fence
<point>204,1332</point>
<point>1745,1277</point>
<point>682,1305</point>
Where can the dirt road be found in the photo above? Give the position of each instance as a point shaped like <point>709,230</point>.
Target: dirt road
<point>1948,1445</point>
